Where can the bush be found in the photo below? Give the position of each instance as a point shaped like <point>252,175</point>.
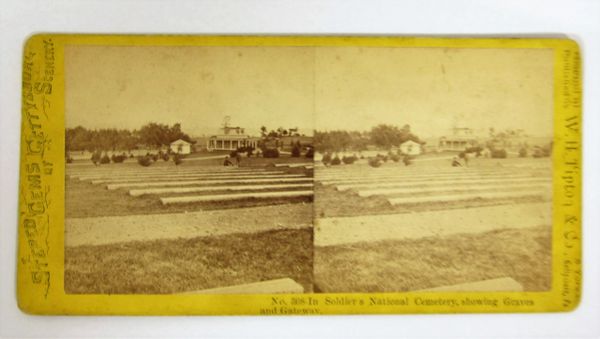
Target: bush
<point>117,159</point>
<point>165,157</point>
<point>499,154</point>
<point>375,162</point>
<point>310,153</point>
<point>96,157</point>
<point>326,158</point>
<point>296,151</point>
<point>177,159</point>
<point>145,161</point>
<point>395,157</point>
<point>270,153</point>
<point>105,159</point>
<point>349,160</point>
<point>474,149</point>
<point>382,157</point>
<point>336,161</point>
<point>522,152</point>
<point>407,160</point>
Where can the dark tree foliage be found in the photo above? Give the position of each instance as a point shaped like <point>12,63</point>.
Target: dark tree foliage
<point>107,139</point>
<point>386,136</point>
<point>155,134</point>
<point>111,139</point>
<point>383,136</point>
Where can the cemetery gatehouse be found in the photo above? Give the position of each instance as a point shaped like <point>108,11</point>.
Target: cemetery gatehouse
<point>460,139</point>
<point>231,139</point>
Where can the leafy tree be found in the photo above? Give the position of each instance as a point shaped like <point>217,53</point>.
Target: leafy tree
<point>386,136</point>
<point>112,139</point>
<point>157,135</point>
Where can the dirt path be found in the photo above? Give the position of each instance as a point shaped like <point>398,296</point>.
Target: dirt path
<point>114,229</point>
<point>345,230</point>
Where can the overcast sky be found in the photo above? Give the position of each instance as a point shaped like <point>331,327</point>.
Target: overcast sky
<point>431,89</point>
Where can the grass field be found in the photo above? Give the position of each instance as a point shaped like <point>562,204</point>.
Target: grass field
<point>387,266</point>
<point>172,266</point>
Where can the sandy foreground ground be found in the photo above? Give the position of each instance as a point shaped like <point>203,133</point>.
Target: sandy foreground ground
<point>114,229</point>
<point>345,230</point>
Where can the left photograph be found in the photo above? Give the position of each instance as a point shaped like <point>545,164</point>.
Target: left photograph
<point>188,170</point>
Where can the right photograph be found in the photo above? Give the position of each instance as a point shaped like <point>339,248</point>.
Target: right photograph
<point>433,169</point>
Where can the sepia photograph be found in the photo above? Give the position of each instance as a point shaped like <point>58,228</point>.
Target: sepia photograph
<point>189,170</point>
<point>433,169</point>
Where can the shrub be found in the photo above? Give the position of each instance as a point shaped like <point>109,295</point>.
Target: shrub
<point>326,158</point>
<point>165,157</point>
<point>336,161</point>
<point>118,158</point>
<point>349,160</point>
<point>154,157</point>
<point>270,153</point>
<point>130,155</point>
<point>105,159</point>
<point>474,149</point>
<point>310,153</point>
<point>541,152</point>
<point>145,161</point>
<point>177,159</point>
<point>499,153</point>
<point>522,152</point>
<point>96,157</point>
<point>69,159</point>
<point>296,151</point>
<point>407,160</point>
<point>395,157</point>
<point>374,162</point>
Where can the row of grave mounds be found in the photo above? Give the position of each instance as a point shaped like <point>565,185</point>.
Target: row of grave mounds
<point>208,188</point>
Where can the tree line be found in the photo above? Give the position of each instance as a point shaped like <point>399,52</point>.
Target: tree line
<point>154,135</point>
<point>383,136</point>
<point>279,132</point>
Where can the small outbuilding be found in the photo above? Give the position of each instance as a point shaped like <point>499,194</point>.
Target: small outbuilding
<point>411,148</point>
<point>181,146</point>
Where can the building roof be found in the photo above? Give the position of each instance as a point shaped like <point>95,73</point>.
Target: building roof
<point>180,142</point>
<point>407,141</point>
<point>232,136</point>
